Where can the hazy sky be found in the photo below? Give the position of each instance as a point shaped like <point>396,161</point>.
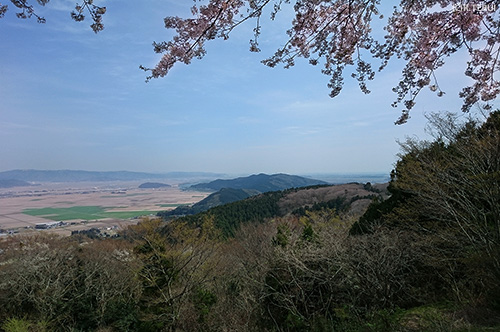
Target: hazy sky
<point>71,99</point>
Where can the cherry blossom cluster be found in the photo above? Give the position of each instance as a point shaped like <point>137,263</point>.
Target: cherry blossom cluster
<point>337,34</point>
<point>95,12</point>
<point>27,11</point>
<point>425,33</point>
<point>3,10</point>
<point>214,20</point>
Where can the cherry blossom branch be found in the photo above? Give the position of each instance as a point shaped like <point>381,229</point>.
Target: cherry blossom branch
<point>338,33</point>
<point>28,11</point>
<point>95,12</point>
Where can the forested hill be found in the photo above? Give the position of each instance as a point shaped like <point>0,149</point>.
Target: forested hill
<point>221,197</point>
<point>261,182</point>
<point>353,197</point>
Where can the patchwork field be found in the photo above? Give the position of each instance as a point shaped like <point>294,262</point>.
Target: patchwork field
<point>83,212</point>
<point>86,206</point>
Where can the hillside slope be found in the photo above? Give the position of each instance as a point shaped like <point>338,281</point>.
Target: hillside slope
<point>351,198</point>
<point>221,197</point>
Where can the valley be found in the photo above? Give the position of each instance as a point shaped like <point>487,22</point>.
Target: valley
<point>84,205</point>
<point>67,201</point>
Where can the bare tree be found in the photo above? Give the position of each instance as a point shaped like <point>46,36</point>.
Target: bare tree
<point>64,283</point>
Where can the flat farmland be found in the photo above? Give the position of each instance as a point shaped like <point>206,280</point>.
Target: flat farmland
<point>84,206</point>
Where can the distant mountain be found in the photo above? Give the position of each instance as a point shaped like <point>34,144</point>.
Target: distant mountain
<point>260,182</point>
<point>229,191</point>
<point>341,178</point>
<point>182,175</point>
<point>9,183</point>
<point>153,185</point>
<point>221,197</point>
<point>87,176</point>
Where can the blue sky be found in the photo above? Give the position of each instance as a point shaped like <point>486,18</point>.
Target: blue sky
<point>71,99</point>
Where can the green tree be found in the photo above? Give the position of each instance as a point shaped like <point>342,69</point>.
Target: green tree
<point>448,192</point>
<point>177,261</point>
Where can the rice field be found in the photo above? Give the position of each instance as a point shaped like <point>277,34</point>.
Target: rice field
<point>86,207</point>
<point>84,213</point>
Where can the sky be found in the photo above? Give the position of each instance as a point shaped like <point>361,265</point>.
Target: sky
<point>73,99</point>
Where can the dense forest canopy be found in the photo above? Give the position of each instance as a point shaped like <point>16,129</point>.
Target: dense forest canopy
<point>342,37</point>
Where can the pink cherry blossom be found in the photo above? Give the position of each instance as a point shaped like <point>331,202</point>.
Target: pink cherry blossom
<point>337,34</point>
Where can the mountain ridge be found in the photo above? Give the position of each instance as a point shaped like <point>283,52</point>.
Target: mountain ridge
<point>232,190</point>
<point>260,182</point>
<point>10,183</point>
<point>153,185</point>
<point>33,175</point>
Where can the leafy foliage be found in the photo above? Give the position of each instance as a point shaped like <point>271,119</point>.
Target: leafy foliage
<point>16,325</point>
